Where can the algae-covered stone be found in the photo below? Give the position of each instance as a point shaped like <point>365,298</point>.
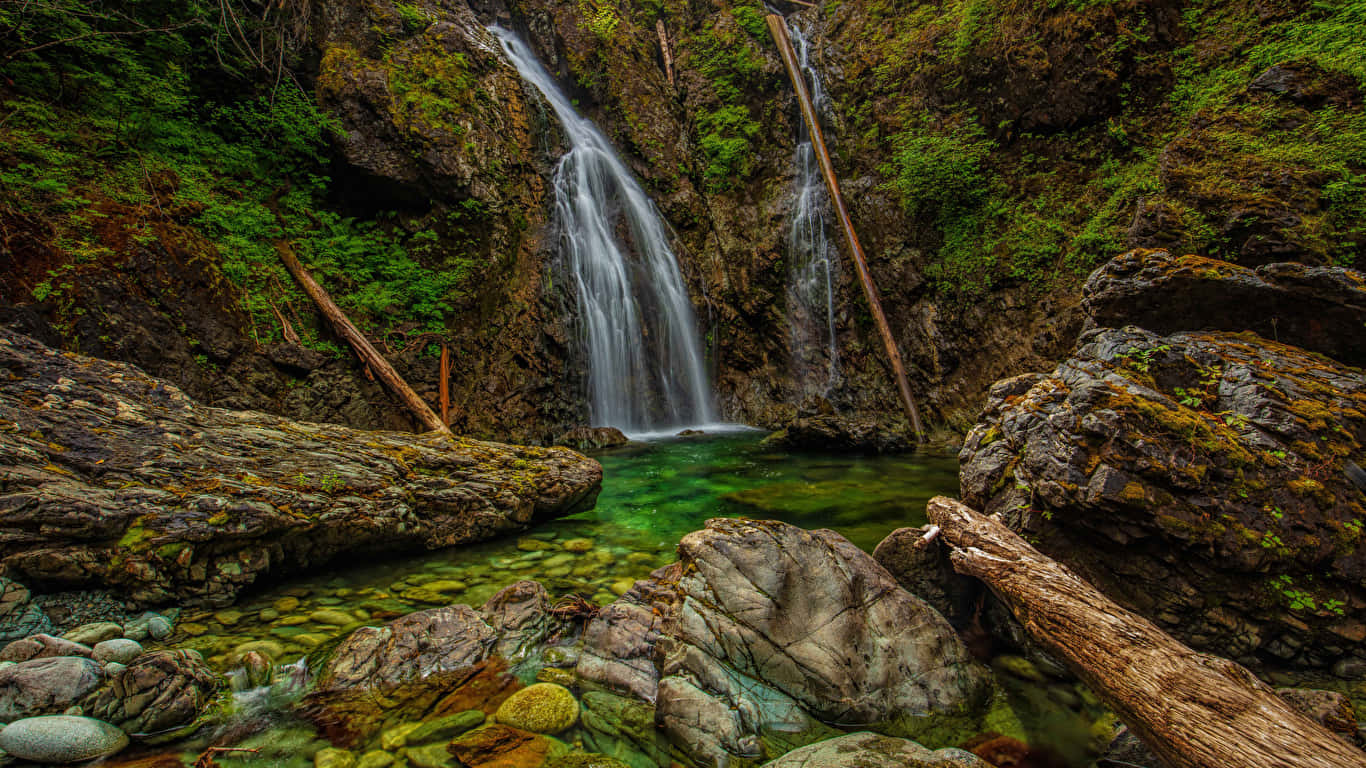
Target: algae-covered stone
<point>61,739</point>
<point>268,648</point>
<point>563,677</point>
<point>445,728</point>
<point>397,736</point>
<point>331,757</point>
<point>375,759</point>
<point>286,604</point>
<point>502,745</point>
<point>332,617</point>
<point>429,756</point>
<point>540,708</point>
<point>577,545</point>
<point>587,760</point>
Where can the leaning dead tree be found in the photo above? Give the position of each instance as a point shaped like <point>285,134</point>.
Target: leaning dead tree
<point>364,350</point>
<point>1191,709</point>
<point>778,27</point>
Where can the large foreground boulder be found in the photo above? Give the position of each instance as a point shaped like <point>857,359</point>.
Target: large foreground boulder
<point>871,750</point>
<point>111,477</point>
<point>1201,479</point>
<point>761,638</point>
<point>1321,309</point>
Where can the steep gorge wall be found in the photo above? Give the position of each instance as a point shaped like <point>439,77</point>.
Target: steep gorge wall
<point>992,154</point>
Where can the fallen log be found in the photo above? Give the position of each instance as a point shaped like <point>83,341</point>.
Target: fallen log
<point>373,360</point>
<point>1191,709</point>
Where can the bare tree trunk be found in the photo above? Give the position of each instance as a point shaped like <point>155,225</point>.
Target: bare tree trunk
<point>664,49</point>
<point>445,385</point>
<point>1191,709</point>
<point>778,27</point>
<point>367,353</point>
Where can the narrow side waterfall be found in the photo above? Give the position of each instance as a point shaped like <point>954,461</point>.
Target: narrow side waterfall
<point>646,370</point>
<point>813,259</point>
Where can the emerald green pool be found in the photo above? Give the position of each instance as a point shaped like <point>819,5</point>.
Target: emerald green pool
<point>652,495</point>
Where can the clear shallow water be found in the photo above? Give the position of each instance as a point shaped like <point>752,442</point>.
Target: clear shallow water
<point>652,495</point>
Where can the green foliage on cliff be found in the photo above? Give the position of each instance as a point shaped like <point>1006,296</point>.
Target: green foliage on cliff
<point>126,119</point>
<point>730,62</point>
<point>1108,124</point>
<point>940,173</point>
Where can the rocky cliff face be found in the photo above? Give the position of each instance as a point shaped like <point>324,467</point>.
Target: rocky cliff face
<point>1202,477</point>
<point>991,156</point>
<point>109,477</point>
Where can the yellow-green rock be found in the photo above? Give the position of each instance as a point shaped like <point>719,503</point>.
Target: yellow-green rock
<point>577,545</point>
<point>286,604</point>
<point>395,737</point>
<point>330,757</point>
<point>540,708</point>
<point>331,617</point>
<point>375,759</point>
<point>430,756</point>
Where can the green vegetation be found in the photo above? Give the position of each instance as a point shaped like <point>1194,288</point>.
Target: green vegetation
<point>731,62</point>
<point>1038,192</point>
<point>135,124</point>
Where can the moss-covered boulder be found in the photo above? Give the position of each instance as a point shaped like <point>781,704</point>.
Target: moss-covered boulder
<point>115,478</point>
<point>1198,478</point>
<point>540,708</point>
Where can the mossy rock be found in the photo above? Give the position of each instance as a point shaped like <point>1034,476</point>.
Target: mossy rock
<point>540,708</point>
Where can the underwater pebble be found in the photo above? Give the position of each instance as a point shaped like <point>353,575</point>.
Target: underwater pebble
<point>192,629</point>
<point>622,586</point>
<point>331,757</point>
<point>577,545</point>
<point>286,604</point>
<point>228,617</point>
<point>159,627</point>
<point>268,648</point>
<point>430,756</point>
<point>393,738</point>
<point>334,618</point>
<point>375,759</point>
<point>119,649</point>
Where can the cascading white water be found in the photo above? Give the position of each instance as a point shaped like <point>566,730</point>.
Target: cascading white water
<point>646,369</point>
<point>813,259</point>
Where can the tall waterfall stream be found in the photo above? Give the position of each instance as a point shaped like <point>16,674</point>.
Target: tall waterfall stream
<point>645,362</point>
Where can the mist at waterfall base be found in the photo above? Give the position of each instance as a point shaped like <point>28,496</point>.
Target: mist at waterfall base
<point>646,374</point>
<point>813,258</point>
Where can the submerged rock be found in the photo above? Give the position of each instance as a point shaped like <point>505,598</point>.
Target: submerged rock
<point>119,479</point>
<point>1197,478</point>
<point>61,739</point>
<point>871,750</point>
<point>409,648</point>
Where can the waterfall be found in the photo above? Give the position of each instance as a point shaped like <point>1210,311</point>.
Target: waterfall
<point>813,259</point>
<point>646,369</point>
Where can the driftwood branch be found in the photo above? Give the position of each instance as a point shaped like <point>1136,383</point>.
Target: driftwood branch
<point>1191,709</point>
<point>373,360</point>
<point>778,27</point>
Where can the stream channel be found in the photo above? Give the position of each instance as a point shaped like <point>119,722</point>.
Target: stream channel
<point>652,495</point>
